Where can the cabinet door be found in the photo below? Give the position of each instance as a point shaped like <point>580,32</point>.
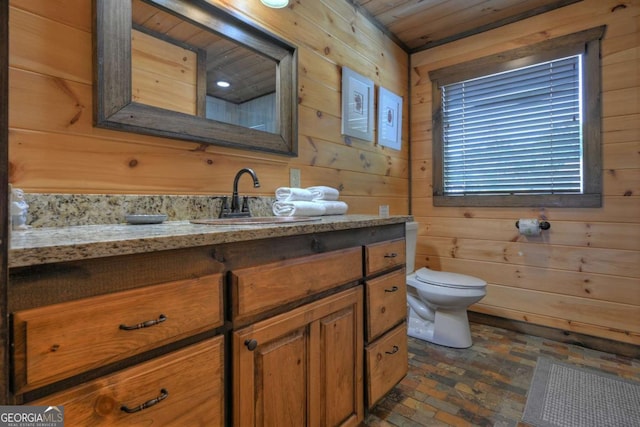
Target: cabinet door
<point>302,368</point>
<point>336,374</point>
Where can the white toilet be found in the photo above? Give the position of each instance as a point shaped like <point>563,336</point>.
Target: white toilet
<point>438,300</point>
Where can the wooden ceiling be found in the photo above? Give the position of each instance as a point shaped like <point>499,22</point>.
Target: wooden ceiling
<point>421,24</point>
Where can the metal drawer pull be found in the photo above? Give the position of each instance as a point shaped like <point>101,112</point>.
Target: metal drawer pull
<point>146,324</point>
<point>393,289</point>
<point>148,404</point>
<point>251,344</point>
<point>395,350</point>
<point>391,255</point>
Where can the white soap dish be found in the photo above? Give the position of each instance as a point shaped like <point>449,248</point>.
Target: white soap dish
<point>145,219</point>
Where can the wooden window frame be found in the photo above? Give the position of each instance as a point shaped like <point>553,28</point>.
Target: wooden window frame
<point>585,42</point>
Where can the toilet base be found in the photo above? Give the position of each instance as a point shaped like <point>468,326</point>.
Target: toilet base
<point>450,328</point>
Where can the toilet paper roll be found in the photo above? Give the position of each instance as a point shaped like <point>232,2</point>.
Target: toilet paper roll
<point>529,227</point>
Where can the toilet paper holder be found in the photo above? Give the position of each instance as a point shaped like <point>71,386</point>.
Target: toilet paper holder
<point>544,225</point>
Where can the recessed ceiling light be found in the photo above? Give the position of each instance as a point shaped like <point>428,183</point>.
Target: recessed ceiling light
<point>222,83</point>
<point>276,4</point>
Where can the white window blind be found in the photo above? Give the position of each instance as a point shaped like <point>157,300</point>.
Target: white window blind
<point>516,132</point>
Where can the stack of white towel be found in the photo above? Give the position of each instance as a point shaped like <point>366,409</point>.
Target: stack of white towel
<point>312,201</point>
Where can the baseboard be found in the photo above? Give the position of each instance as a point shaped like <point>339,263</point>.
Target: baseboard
<point>567,337</point>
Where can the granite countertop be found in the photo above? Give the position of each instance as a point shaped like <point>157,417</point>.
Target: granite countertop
<point>48,245</point>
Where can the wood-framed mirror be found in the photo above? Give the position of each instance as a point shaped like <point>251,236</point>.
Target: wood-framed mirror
<point>157,64</point>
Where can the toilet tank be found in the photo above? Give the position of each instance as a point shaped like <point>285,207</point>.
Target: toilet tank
<point>411,238</point>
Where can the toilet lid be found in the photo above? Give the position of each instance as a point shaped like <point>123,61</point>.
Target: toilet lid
<point>450,280</point>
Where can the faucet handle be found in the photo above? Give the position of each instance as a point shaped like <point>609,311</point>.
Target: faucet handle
<point>245,204</point>
<point>224,208</point>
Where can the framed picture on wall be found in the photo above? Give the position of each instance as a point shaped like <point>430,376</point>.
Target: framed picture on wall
<point>357,105</point>
<point>389,119</point>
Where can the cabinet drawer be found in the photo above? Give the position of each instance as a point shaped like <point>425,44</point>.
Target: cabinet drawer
<point>62,340</point>
<point>386,303</point>
<point>387,363</point>
<point>257,289</point>
<point>384,255</point>
<point>190,383</point>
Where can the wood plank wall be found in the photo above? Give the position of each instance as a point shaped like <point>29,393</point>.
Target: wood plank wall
<point>55,149</point>
<point>583,275</point>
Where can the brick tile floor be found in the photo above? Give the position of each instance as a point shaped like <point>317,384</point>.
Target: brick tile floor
<point>485,385</point>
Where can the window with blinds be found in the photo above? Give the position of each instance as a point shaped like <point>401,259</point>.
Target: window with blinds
<point>515,132</point>
<point>521,127</point>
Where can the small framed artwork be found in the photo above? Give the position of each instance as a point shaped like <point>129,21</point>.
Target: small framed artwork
<point>389,119</point>
<point>357,105</point>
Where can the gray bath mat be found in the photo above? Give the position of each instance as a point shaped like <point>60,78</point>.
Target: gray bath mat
<point>564,395</point>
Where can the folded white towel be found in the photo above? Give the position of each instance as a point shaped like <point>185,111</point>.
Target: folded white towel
<point>297,208</point>
<point>333,207</point>
<point>288,194</point>
<point>322,192</point>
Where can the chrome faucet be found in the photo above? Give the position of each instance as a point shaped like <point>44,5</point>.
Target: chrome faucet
<point>237,209</point>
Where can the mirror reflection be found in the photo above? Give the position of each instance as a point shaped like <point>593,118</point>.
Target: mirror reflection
<point>181,66</point>
<point>159,65</point>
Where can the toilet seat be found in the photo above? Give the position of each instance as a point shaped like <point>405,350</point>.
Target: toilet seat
<point>448,280</point>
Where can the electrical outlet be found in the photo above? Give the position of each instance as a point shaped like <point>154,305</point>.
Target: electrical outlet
<point>294,177</point>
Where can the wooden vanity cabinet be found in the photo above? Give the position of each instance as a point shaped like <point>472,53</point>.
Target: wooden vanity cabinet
<point>303,367</point>
<point>386,353</point>
<point>285,331</point>
<point>126,340</point>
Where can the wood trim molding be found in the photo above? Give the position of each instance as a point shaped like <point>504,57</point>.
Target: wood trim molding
<point>494,25</point>
<point>570,44</point>
<point>567,337</point>
<point>500,23</point>
<point>4,197</point>
<point>585,42</point>
<point>115,109</point>
<point>364,12</point>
